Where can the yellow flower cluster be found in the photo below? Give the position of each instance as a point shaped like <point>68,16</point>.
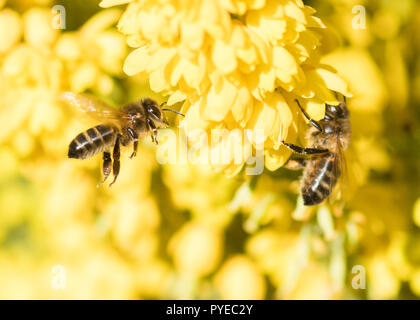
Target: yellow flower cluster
<point>235,64</point>
<point>34,72</point>
<point>50,202</point>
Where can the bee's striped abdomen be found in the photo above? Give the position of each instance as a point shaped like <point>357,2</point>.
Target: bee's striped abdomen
<point>92,142</point>
<point>319,178</point>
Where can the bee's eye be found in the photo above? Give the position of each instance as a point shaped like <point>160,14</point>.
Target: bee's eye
<point>154,111</point>
<point>334,111</point>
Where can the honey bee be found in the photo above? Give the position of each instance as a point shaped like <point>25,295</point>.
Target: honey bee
<point>131,123</point>
<point>322,160</point>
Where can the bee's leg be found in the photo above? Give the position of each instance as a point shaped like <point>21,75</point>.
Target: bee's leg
<point>116,158</point>
<point>306,115</point>
<point>154,131</point>
<point>135,138</point>
<point>295,164</point>
<point>305,151</point>
<point>106,166</point>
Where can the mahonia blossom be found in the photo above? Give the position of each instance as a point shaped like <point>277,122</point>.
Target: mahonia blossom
<point>235,64</point>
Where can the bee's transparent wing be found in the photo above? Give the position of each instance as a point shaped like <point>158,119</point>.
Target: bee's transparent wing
<point>91,106</point>
<point>339,191</point>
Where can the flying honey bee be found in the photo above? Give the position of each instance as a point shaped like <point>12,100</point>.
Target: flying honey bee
<point>323,159</point>
<point>131,123</point>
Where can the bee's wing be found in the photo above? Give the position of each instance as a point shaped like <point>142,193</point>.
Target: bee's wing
<point>92,107</point>
<point>341,171</point>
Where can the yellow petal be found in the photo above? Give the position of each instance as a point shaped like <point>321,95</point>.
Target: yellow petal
<point>38,30</point>
<point>187,245</point>
<point>157,80</point>
<point>176,97</point>
<point>284,118</point>
<point>316,87</point>
<point>230,279</point>
<point>259,44</point>
<point>192,35</point>
<point>193,117</point>
<point>242,107</point>
<point>10,29</point>
<point>223,56</point>
<point>219,100</point>
<point>84,77</point>
<point>315,22</point>
<point>247,55</point>
<point>103,20</point>
<point>267,80</point>
<point>264,118</point>
<point>110,3</point>
<point>274,159</point>
<point>232,170</point>
<point>160,58</point>
<point>152,24</point>
<point>315,109</point>
<point>137,61</point>
<point>255,4</point>
<point>293,11</point>
<point>334,82</point>
<point>285,63</point>
<point>14,118</point>
<point>193,74</point>
<point>68,47</point>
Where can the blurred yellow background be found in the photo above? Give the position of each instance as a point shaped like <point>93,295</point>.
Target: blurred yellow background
<point>185,231</point>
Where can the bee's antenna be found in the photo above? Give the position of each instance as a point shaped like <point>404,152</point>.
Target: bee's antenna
<point>167,109</point>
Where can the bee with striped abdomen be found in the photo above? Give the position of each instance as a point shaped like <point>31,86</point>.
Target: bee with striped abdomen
<point>323,158</point>
<point>131,123</point>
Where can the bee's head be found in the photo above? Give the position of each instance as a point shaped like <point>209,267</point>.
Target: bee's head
<point>154,112</point>
<point>337,112</point>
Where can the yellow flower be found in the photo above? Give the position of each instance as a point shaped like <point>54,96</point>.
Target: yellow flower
<point>38,29</point>
<point>383,283</point>
<point>240,278</point>
<point>34,71</point>
<point>188,245</point>
<point>57,198</point>
<point>10,29</point>
<point>192,194</point>
<point>234,64</point>
<point>93,54</point>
